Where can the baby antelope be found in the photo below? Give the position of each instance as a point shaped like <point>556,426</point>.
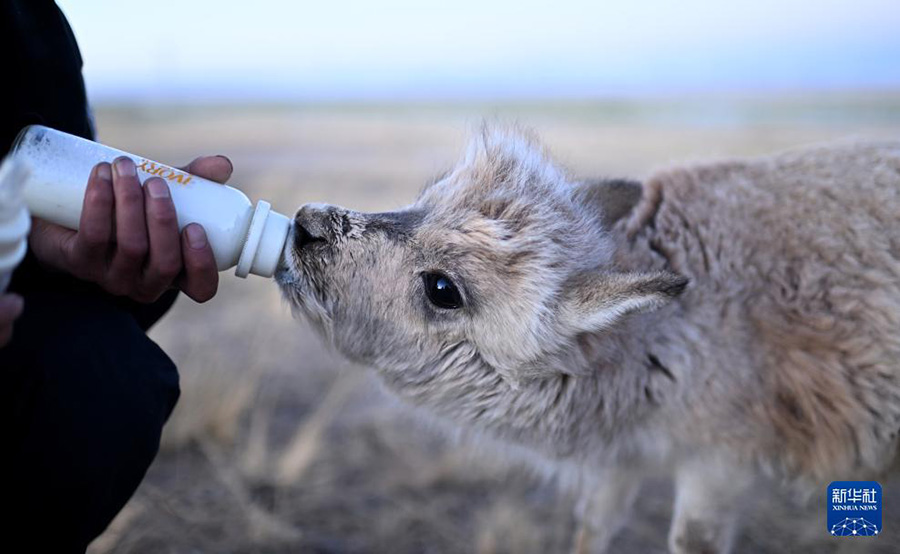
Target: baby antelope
<point>729,323</point>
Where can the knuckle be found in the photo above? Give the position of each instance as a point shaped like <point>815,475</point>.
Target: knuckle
<point>163,215</point>
<point>166,271</point>
<point>133,249</point>
<point>147,295</point>
<point>116,287</point>
<point>171,272</point>
<point>93,237</point>
<point>98,196</point>
<point>130,193</point>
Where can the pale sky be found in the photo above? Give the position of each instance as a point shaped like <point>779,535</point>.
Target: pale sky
<point>355,49</point>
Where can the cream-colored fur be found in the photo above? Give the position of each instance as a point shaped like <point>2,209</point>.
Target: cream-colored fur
<point>730,322</point>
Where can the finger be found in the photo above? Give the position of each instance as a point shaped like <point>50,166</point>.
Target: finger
<point>92,242</point>
<point>131,230</point>
<point>214,168</point>
<point>51,244</point>
<point>164,262</point>
<point>200,279</point>
<point>10,308</point>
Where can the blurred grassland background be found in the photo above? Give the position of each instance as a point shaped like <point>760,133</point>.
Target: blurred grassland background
<point>279,445</point>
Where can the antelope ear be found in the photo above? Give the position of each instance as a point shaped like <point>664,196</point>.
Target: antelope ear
<point>612,198</point>
<point>596,301</point>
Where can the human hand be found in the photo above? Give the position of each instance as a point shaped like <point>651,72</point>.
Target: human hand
<point>128,240</point>
<point>10,309</point>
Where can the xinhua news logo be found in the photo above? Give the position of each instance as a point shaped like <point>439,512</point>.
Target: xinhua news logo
<point>854,509</point>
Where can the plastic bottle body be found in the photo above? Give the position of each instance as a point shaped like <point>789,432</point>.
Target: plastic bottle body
<point>60,165</point>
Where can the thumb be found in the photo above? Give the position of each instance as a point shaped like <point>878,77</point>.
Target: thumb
<point>214,168</point>
<point>51,244</point>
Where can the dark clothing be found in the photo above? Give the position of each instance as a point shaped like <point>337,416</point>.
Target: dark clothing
<point>85,393</point>
<point>44,84</point>
<point>85,397</point>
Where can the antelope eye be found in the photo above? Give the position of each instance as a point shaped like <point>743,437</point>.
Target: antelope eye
<point>441,291</point>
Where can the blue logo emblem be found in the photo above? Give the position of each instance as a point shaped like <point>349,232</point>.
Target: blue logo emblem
<point>854,509</point>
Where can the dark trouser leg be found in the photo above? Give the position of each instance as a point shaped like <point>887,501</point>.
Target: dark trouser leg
<point>84,395</point>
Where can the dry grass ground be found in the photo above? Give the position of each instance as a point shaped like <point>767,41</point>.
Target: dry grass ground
<point>278,445</point>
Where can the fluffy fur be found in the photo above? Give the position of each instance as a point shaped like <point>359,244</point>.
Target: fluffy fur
<point>731,321</point>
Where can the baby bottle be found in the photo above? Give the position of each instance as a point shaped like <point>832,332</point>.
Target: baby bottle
<point>58,166</point>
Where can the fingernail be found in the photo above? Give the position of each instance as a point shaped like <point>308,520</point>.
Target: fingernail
<point>125,167</point>
<point>227,159</point>
<point>196,236</point>
<point>104,172</point>
<point>157,188</point>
